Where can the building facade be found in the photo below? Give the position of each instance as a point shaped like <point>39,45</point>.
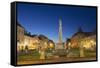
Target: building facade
<point>86,39</point>
<point>27,41</point>
<point>20,37</point>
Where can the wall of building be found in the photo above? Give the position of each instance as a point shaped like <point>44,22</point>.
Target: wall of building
<point>20,37</point>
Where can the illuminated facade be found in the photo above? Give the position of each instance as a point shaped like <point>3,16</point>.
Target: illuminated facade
<point>20,37</point>
<point>86,39</point>
<point>31,42</point>
<point>89,42</point>
<point>25,39</point>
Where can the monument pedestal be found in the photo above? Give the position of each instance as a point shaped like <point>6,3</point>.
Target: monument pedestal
<point>60,46</point>
<point>60,50</point>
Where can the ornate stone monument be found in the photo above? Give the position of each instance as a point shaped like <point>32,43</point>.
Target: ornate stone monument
<point>60,42</point>
<point>60,49</point>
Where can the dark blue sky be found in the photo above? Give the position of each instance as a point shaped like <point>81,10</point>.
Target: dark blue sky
<point>44,19</point>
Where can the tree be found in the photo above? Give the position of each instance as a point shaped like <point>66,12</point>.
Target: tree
<point>68,41</point>
<point>51,44</point>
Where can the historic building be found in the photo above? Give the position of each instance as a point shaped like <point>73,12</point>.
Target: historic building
<point>86,39</point>
<point>27,41</point>
<point>89,42</point>
<point>31,41</point>
<point>20,36</point>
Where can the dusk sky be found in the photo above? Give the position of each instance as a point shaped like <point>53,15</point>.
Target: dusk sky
<point>44,19</point>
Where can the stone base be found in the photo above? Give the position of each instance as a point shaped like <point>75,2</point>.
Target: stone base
<point>60,46</point>
<point>60,52</point>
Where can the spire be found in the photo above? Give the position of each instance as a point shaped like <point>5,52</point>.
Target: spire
<point>80,29</point>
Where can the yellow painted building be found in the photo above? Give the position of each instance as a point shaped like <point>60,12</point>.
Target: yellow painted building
<point>20,37</point>
<point>86,39</point>
<point>31,42</point>
<point>89,42</point>
<point>25,39</point>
